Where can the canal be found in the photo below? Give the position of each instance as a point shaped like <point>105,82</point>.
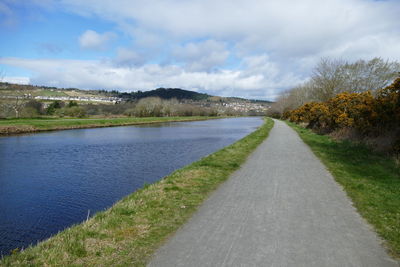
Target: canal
<point>50,181</point>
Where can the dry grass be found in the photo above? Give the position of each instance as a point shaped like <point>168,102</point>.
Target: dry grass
<point>382,141</point>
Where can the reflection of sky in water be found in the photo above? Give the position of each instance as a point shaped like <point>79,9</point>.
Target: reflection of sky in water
<point>49,181</point>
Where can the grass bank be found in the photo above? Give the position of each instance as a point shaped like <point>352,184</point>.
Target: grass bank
<point>15,126</point>
<point>371,180</point>
<point>128,233</point>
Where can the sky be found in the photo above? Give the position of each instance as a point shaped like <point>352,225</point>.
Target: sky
<point>245,48</point>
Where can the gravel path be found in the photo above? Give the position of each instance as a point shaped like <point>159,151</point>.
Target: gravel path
<point>282,208</point>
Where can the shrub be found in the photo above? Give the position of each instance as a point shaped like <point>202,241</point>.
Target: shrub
<point>388,105</point>
<point>362,112</point>
<point>355,110</point>
<point>51,109</point>
<point>36,105</point>
<point>78,112</point>
<point>29,112</point>
<point>72,104</point>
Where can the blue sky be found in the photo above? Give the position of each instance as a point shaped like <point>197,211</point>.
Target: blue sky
<point>252,48</point>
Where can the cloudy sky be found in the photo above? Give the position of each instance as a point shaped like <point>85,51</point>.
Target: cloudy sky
<point>246,48</point>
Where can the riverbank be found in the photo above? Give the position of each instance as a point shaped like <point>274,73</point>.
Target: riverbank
<point>18,126</point>
<point>370,179</point>
<point>129,232</point>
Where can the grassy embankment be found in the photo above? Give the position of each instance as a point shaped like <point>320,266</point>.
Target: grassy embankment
<point>15,126</point>
<point>130,231</point>
<point>371,180</point>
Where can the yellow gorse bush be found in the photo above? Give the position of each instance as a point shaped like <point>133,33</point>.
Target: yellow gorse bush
<point>363,112</point>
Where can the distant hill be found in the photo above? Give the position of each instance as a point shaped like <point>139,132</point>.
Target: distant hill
<point>181,94</point>
<point>9,89</point>
<point>166,93</point>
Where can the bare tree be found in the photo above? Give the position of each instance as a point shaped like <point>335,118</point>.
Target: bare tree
<point>149,106</point>
<point>374,74</point>
<point>293,98</point>
<point>328,79</point>
<point>18,105</point>
<point>331,77</point>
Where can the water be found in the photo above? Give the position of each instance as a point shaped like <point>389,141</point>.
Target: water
<point>49,181</point>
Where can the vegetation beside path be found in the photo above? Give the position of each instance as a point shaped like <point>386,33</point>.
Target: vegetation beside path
<point>371,180</point>
<point>129,232</point>
<point>15,126</point>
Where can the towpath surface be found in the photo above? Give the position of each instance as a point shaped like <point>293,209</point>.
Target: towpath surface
<point>282,208</point>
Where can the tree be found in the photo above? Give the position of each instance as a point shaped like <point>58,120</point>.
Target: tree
<point>51,109</point>
<point>328,79</point>
<point>292,99</point>
<point>35,105</point>
<point>32,109</point>
<point>374,74</point>
<point>150,106</point>
<point>72,104</point>
<point>331,77</point>
<point>17,105</point>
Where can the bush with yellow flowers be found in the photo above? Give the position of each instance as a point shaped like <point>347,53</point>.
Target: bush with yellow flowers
<point>388,105</point>
<point>367,114</point>
<point>352,110</point>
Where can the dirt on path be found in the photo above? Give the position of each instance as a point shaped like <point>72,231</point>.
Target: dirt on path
<point>282,208</point>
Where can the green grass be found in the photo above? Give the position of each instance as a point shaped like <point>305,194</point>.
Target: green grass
<point>10,126</point>
<point>371,180</point>
<point>128,233</point>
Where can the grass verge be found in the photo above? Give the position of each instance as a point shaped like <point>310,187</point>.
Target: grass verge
<point>15,126</point>
<point>371,180</point>
<point>128,233</point>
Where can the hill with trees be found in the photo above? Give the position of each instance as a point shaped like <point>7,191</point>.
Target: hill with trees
<point>163,93</point>
<point>31,101</point>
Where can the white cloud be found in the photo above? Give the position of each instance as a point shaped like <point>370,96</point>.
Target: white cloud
<point>128,57</point>
<point>17,80</point>
<point>95,41</point>
<point>105,75</point>
<point>201,56</point>
<point>295,34</point>
<point>285,26</point>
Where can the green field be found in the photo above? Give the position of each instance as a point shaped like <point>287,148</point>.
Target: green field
<point>371,180</point>
<point>128,233</point>
<point>11,126</point>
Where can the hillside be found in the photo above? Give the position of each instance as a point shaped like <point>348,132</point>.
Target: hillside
<point>165,93</point>
<point>30,101</point>
<point>9,89</point>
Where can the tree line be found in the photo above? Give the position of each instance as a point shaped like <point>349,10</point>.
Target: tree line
<point>145,107</point>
